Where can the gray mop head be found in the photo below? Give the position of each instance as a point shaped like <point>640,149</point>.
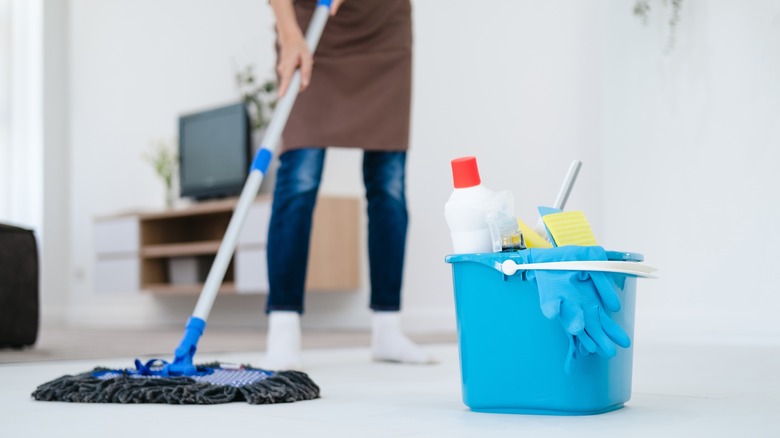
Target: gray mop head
<point>218,385</point>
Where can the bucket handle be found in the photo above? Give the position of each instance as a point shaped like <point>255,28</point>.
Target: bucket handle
<point>510,267</point>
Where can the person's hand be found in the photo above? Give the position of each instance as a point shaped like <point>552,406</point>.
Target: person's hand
<point>293,53</point>
<point>334,6</point>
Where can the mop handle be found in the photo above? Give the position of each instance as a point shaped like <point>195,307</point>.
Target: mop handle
<point>568,183</point>
<point>563,195</point>
<point>259,166</point>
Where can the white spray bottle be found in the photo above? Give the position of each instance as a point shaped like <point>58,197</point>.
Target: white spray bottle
<point>464,209</point>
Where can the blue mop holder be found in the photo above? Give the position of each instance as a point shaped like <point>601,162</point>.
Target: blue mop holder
<point>512,357</point>
<point>182,364</point>
<point>262,160</point>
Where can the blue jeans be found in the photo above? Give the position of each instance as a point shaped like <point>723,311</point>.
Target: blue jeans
<point>297,182</point>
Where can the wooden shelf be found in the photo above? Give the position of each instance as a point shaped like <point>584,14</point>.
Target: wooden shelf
<point>180,249</point>
<point>185,289</point>
<point>170,252</point>
<point>199,209</point>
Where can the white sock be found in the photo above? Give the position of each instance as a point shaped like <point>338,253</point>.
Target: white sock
<point>283,349</point>
<point>389,344</point>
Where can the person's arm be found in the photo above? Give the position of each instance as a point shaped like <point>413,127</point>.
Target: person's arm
<point>334,6</point>
<point>293,51</point>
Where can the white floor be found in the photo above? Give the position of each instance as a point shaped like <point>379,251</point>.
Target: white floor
<point>679,390</point>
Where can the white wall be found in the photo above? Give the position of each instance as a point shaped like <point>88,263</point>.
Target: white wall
<point>679,148</point>
<point>22,200</point>
<point>5,106</point>
<point>134,67</point>
<point>55,243</point>
<point>691,146</point>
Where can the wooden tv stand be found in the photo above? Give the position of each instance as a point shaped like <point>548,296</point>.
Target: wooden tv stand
<point>169,252</point>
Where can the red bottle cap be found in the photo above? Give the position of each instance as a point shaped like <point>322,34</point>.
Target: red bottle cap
<point>465,172</point>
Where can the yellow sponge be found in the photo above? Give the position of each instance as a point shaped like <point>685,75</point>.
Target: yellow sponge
<point>570,228</point>
<point>531,237</point>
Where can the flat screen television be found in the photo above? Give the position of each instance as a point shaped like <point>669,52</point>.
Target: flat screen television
<point>214,152</point>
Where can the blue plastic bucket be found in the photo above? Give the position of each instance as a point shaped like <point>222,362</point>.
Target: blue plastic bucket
<point>512,358</point>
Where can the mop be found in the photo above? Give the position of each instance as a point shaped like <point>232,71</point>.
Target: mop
<point>181,381</point>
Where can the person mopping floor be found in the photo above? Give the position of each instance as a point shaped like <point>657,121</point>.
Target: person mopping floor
<point>357,96</point>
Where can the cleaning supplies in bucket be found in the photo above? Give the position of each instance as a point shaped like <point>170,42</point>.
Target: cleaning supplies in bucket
<point>512,356</point>
<point>578,308</point>
<point>481,220</point>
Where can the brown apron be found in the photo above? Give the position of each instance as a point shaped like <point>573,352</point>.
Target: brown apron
<point>360,91</point>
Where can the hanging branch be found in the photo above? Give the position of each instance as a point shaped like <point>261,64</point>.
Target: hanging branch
<point>259,98</point>
<point>642,10</point>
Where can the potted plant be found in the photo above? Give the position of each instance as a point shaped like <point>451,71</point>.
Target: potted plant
<point>260,99</point>
<point>165,160</point>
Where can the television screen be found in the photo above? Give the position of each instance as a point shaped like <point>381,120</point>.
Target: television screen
<point>214,152</point>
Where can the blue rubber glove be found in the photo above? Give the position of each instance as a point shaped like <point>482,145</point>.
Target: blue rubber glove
<point>578,299</point>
